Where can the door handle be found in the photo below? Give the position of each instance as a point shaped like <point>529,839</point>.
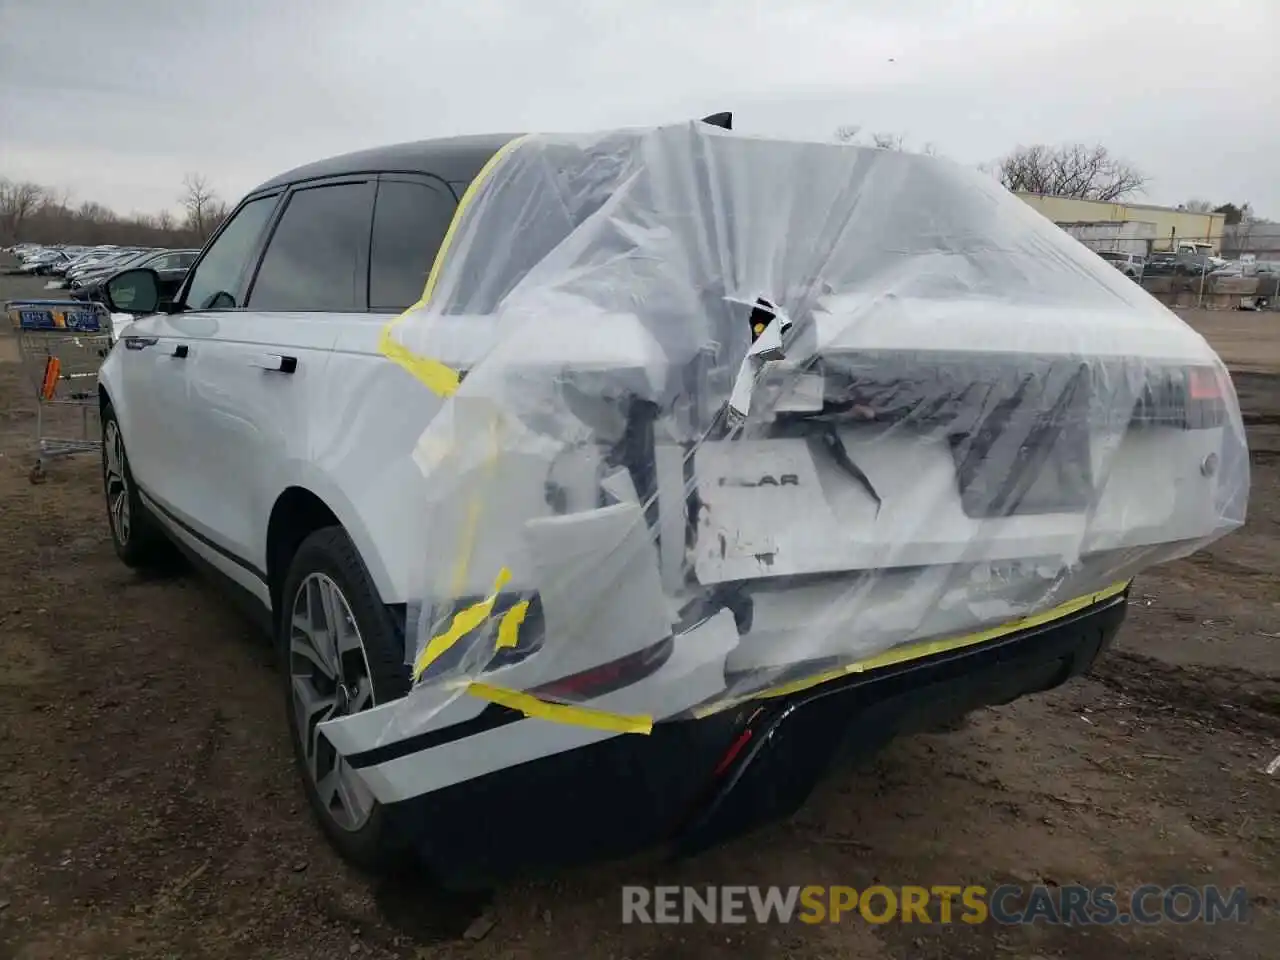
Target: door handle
<point>274,362</point>
<point>140,343</point>
<point>181,351</point>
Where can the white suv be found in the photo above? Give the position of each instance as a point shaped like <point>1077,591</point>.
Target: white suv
<point>1130,264</point>
<point>960,451</point>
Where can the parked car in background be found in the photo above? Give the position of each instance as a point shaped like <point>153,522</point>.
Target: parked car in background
<point>1196,264</point>
<point>24,250</point>
<point>1248,268</point>
<point>1130,264</point>
<point>262,424</point>
<point>86,258</point>
<point>43,262</point>
<point>1199,248</point>
<point>100,264</point>
<point>78,276</point>
<point>170,266</point>
<point>107,262</point>
<point>1159,264</point>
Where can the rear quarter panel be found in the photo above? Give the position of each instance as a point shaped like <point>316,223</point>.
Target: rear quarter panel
<point>358,458</point>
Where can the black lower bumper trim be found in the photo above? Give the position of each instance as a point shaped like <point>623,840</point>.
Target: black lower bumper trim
<point>671,789</point>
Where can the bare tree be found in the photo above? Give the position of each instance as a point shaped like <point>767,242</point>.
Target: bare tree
<point>848,133</point>
<point>199,200</point>
<point>95,212</point>
<point>218,212</point>
<point>18,201</point>
<point>1072,170</point>
<point>1197,206</point>
<point>852,133</point>
<point>887,141</point>
<point>46,215</point>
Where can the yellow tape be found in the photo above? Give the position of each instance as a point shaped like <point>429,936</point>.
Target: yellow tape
<point>438,377</point>
<point>467,196</point>
<point>509,626</point>
<point>578,716</point>
<point>464,621</point>
<point>444,381</point>
<point>574,716</point>
<point>925,648</point>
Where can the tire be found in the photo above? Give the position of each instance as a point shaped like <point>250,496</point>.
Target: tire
<point>135,533</point>
<point>370,671</point>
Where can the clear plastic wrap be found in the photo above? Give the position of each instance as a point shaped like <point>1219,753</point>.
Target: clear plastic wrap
<point>730,416</point>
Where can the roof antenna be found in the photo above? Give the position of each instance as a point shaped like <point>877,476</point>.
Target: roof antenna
<point>720,120</point>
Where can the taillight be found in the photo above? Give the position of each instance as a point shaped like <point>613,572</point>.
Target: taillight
<point>607,677</point>
<point>1207,390</point>
<point>1203,383</point>
<point>731,754</point>
<point>1193,398</point>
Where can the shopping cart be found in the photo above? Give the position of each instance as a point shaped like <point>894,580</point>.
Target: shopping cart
<point>62,342</point>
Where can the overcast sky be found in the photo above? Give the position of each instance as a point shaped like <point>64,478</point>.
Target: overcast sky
<point>115,101</point>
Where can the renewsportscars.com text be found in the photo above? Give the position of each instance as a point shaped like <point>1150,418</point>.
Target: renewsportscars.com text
<point>942,904</point>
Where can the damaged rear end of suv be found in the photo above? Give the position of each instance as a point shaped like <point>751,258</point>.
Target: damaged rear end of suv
<point>753,454</point>
<point>703,463</point>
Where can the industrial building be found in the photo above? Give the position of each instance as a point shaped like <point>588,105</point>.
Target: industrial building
<point>1131,227</point>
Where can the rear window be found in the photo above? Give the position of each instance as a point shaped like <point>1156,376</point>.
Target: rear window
<point>409,223</point>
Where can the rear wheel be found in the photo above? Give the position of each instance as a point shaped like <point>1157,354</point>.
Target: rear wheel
<point>342,652</point>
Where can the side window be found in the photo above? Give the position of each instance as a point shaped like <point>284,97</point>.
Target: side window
<point>216,278</point>
<point>161,263</point>
<point>186,258</point>
<point>315,259</point>
<point>409,223</point>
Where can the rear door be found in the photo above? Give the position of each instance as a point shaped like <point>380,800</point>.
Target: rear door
<point>259,383</point>
<point>156,360</point>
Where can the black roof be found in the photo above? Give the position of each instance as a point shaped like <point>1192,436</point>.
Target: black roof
<point>455,159</point>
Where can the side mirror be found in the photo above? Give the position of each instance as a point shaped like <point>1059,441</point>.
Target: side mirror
<point>133,291</point>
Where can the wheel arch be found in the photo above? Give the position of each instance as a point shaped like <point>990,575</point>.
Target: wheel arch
<point>298,511</point>
<point>296,514</point>
<point>109,388</point>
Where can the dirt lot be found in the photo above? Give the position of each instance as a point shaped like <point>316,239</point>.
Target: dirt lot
<point>150,808</point>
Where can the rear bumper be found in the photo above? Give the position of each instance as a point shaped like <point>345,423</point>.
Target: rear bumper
<point>692,784</point>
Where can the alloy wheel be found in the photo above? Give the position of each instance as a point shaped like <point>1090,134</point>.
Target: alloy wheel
<point>328,678</point>
<point>116,483</point>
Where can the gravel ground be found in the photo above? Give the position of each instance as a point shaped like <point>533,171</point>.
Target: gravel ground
<point>151,809</point>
